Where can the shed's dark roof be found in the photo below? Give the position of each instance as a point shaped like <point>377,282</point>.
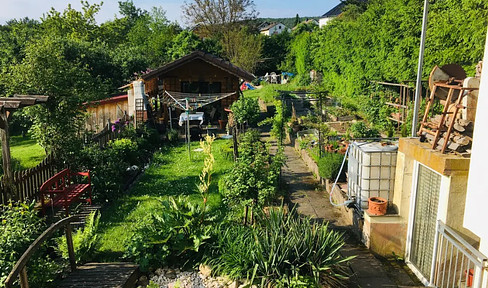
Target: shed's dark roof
<point>207,57</point>
<point>336,11</point>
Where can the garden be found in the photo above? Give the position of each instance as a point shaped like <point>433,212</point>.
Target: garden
<point>186,214</point>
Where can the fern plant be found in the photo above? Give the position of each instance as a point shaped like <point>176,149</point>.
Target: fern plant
<point>85,240</point>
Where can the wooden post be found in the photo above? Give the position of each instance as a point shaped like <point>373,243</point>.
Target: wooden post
<point>6,158</point>
<point>71,250</point>
<point>24,283</point>
<point>234,141</point>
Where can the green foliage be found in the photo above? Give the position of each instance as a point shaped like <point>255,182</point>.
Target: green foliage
<point>254,177</point>
<point>19,227</point>
<point>275,50</point>
<point>282,249</point>
<point>380,41</point>
<point>173,233</point>
<point>242,47</point>
<point>85,240</point>
<point>172,136</point>
<point>246,110</point>
<point>330,165</point>
<point>170,174</point>
<point>361,130</point>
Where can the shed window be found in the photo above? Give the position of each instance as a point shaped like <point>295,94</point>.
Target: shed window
<point>201,87</point>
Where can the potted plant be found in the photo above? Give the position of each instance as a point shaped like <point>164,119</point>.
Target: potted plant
<point>377,206</point>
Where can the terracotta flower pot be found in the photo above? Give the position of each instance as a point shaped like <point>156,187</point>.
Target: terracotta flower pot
<point>377,206</point>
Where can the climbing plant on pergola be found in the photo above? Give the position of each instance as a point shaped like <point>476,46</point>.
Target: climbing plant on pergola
<point>7,106</point>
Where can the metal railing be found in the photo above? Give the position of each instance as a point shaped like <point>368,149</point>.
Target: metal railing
<point>457,263</point>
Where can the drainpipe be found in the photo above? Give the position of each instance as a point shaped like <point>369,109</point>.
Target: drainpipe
<point>418,89</point>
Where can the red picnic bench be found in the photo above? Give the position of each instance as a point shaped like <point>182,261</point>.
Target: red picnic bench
<point>59,191</point>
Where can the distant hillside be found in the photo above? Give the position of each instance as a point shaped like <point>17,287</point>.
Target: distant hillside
<point>288,22</point>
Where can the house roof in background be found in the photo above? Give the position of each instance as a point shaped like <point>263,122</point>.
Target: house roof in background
<point>266,28</point>
<point>207,57</point>
<point>336,11</point>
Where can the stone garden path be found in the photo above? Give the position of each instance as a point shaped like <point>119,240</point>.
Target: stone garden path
<point>311,199</point>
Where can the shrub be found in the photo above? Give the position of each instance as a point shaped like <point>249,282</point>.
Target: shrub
<point>172,235</point>
<point>246,109</point>
<point>254,177</point>
<point>282,249</point>
<point>330,164</point>
<point>360,130</point>
<point>85,240</point>
<point>126,150</point>
<point>172,136</point>
<point>19,227</point>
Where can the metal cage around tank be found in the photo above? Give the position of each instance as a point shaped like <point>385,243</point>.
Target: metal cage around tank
<point>371,171</point>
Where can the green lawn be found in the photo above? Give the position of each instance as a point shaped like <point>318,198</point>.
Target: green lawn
<point>170,174</point>
<point>268,92</point>
<point>26,151</point>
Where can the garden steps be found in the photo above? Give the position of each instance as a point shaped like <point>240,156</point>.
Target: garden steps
<point>82,211</point>
<point>120,275</point>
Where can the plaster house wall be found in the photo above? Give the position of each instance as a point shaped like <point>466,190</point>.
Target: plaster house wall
<point>476,212</point>
<point>454,172</point>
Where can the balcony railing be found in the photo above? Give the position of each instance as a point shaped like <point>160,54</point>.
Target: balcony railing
<point>457,263</point>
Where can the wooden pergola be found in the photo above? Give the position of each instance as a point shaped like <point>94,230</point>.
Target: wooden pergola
<point>7,106</point>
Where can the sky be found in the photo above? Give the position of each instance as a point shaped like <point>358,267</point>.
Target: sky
<point>14,9</point>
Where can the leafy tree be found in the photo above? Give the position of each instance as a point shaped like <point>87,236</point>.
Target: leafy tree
<point>53,67</point>
<point>242,48</point>
<point>297,20</point>
<point>275,49</point>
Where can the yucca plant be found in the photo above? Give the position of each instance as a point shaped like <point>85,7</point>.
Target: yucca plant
<point>283,249</point>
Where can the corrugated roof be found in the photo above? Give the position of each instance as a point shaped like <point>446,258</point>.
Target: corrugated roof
<point>207,57</point>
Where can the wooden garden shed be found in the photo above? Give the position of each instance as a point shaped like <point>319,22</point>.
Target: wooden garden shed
<point>100,112</point>
<point>208,83</point>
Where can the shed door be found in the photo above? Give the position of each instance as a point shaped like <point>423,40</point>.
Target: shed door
<point>424,221</point>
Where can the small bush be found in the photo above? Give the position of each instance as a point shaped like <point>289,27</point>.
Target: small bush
<point>361,130</point>
<point>172,235</point>
<point>172,136</point>
<point>19,227</point>
<point>246,110</point>
<point>282,249</point>
<point>84,240</point>
<point>330,164</point>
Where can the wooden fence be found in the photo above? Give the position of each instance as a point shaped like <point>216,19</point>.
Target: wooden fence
<point>27,182</point>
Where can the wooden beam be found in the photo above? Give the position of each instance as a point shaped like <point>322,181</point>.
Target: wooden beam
<point>23,101</point>
<point>39,98</point>
<point>6,158</point>
<point>10,104</point>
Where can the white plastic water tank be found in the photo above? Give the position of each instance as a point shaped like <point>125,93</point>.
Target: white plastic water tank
<point>371,171</point>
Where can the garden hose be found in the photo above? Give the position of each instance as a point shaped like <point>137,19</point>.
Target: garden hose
<point>349,201</point>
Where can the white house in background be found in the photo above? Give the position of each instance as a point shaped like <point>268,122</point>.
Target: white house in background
<point>274,28</point>
<point>331,14</point>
